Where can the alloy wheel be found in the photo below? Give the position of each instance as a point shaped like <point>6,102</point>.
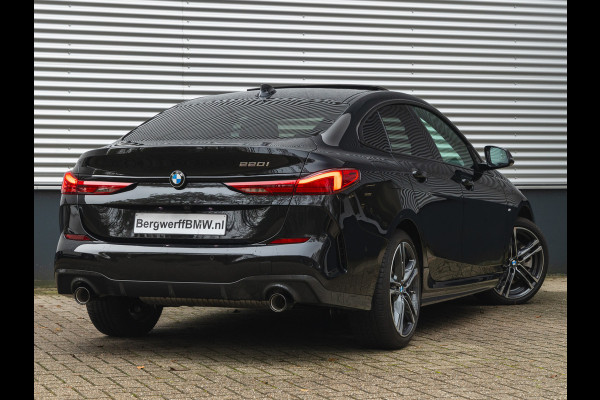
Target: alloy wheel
<point>524,268</point>
<point>404,289</point>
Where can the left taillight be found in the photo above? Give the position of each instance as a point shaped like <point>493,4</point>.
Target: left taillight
<point>72,185</point>
<point>323,182</point>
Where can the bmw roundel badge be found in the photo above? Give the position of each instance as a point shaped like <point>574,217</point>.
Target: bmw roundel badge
<point>177,179</point>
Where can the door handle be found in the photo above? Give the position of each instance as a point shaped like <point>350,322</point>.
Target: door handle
<point>467,183</point>
<point>419,175</point>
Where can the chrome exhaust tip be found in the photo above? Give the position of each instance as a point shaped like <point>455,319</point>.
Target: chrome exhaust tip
<point>279,302</point>
<point>82,295</point>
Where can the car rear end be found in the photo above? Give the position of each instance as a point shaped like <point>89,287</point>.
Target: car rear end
<point>211,202</point>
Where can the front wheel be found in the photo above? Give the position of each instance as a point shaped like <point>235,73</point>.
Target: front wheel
<point>396,305</point>
<point>525,268</point>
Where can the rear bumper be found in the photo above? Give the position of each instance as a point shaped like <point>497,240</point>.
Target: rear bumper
<point>303,289</point>
<point>244,273</point>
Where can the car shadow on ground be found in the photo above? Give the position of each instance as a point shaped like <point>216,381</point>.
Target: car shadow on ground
<point>251,333</point>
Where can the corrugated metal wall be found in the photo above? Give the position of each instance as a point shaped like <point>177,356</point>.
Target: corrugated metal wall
<point>497,69</point>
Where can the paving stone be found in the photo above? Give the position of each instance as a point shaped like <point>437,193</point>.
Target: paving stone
<point>461,350</point>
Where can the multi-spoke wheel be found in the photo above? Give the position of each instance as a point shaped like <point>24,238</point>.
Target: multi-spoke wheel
<point>393,318</point>
<point>525,268</point>
<point>404,289</point>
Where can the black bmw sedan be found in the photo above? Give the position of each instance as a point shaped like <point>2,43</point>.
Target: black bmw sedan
<point>343,196</point>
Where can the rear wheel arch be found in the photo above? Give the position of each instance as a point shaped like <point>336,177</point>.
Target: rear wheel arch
<point>392,320</point>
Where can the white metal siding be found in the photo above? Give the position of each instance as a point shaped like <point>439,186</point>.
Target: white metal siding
<point>497,69</point>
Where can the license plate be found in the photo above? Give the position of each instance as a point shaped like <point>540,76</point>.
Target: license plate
<point>180,224</point>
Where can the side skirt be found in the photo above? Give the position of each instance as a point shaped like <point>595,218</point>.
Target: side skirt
<point>441,291</point>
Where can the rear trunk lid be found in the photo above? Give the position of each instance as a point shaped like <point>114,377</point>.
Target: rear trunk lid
<point>205,210</point>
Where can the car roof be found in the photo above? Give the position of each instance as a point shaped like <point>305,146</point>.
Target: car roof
<point>334,92</point>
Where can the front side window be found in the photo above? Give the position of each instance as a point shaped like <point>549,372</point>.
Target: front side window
<point>451,147</point>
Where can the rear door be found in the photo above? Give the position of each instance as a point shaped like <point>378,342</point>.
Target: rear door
<point>437,194</point>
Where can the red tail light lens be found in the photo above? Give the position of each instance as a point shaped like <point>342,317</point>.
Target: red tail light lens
<point>69,185</point>
<point>72,185</point>
<point>264,187</point>
<point>71,236</point>
<point>327,182</point>
<point>322,182</point>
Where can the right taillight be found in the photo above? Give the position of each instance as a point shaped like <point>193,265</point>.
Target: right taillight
<point>327,182</point>
<point>323,182</point>
<point>72,185</point>
<point>264,187</point>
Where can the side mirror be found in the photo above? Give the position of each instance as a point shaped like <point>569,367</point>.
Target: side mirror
<point>497,157</point>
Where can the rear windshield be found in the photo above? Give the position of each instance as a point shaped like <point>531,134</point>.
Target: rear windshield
<point>239,119</point>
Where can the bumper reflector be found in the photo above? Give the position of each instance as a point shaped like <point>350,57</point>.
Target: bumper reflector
<point>289,240</point>
<point>72,236</point>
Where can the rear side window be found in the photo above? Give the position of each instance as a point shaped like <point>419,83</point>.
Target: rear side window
<point>404,133</point>
<point>393,128</point>
<point>373,133</point>
<point>238,119</point>
<point>451,147</point>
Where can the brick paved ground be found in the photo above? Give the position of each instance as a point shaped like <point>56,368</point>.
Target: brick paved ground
<point>461,350</point>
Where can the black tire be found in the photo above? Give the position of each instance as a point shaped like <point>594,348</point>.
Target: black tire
<point>523,276</point>
<point>123,316</point>
<point>378,327</point>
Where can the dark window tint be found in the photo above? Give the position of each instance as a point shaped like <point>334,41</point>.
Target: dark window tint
<point>404,132</point>
<point>451,147</point>
<point>373,133</point>
<point>237,119</point>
